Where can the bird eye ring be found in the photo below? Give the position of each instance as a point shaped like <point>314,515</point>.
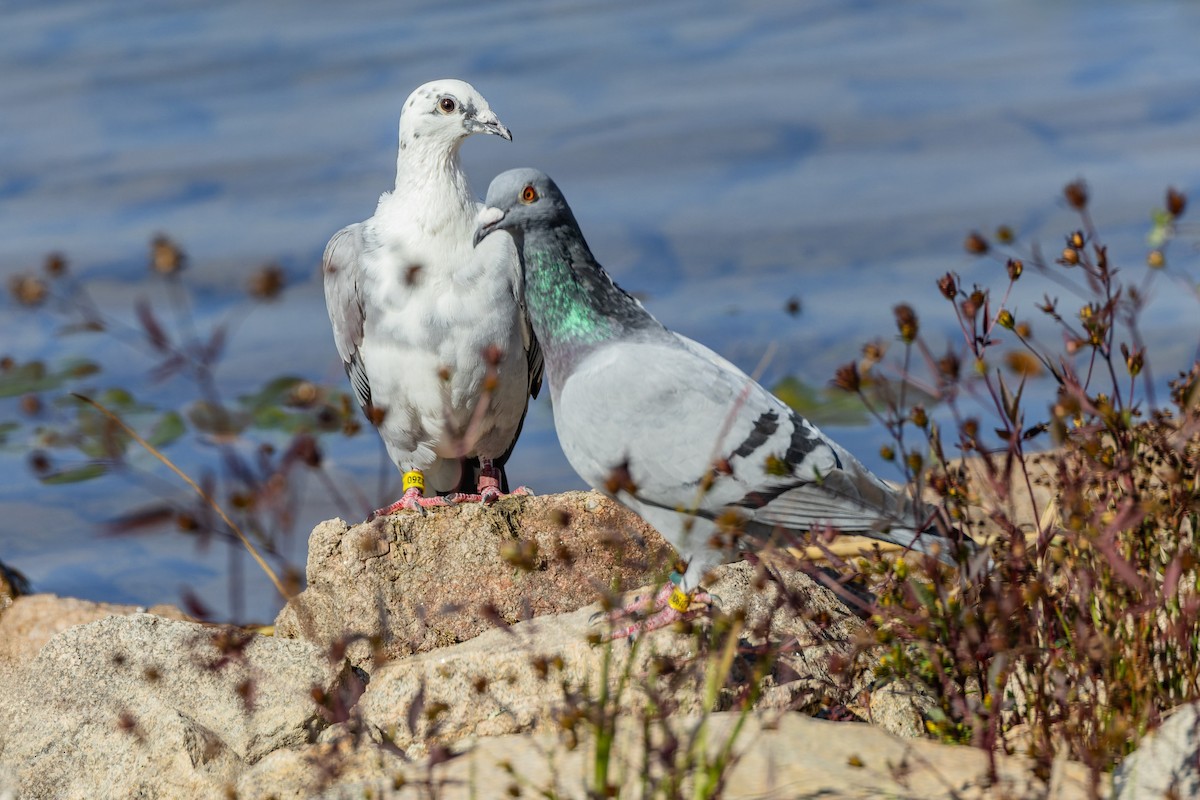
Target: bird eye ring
<point>447,105</point>
<point>528,195</point>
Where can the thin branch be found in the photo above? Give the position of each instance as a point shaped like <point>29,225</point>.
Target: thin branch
<point>195,487</point>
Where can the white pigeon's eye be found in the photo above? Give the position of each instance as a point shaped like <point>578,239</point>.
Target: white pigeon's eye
<point>528,195</point>
<point>447,105</point>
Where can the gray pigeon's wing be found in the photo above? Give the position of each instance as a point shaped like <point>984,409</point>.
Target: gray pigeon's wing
<point>685,411</point>
<point>343,274</point>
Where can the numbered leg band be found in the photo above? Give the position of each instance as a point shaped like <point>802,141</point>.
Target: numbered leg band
<point>680,600</point>
<point>413,479</point>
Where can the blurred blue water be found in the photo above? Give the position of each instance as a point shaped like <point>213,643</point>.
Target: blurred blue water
<point>721,157</point>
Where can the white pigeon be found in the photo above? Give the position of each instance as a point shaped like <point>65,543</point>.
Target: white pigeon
<point>431,329</point>
<point>687,440</point>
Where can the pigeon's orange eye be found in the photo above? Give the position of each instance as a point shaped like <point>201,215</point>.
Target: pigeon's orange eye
<point>447,105</point>
<point>528,195</point>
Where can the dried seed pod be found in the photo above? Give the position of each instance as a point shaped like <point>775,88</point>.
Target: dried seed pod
<point>906,322</point>
<point>847,378</point>
<point>28,290</point>
<point>1076,194</point>
<point>56,265</point>
<point>1176,202</point>
<point>166,258</point>
<point>949,366</point>
<point>975,244</point>
<point>266,283</point>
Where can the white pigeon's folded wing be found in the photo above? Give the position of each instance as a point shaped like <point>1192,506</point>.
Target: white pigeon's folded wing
<point>533,350</point>
<point>343,275</point>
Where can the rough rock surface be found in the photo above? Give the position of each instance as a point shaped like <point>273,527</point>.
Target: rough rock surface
<point>1166,763</point>
<point>511,680</point>
<point>783,756</point>
<point>900,708</point>
<point>481,659</point>
<point>417,582</point>
<point>8,592</point>
<point>141,706</point>
<point>32,619</point>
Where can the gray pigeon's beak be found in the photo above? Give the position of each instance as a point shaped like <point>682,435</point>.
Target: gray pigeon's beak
<point>488,122</point>
<point>487,221</point>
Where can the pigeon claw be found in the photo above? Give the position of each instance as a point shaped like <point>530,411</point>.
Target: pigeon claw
<point>411,501</point>
<point>487,496</point>
<point>659,619</point>
<point>489,485</point>
<point>653,611</point>
<point>489,491</point>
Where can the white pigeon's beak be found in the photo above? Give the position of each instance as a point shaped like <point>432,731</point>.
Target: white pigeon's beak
<point>488,122</point>
<point>487,221</point>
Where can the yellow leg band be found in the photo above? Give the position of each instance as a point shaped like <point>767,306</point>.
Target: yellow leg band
<point>414,479</point>
<point>680,600</point>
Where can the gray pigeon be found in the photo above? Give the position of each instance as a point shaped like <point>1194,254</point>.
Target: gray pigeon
<point>669,428</point>
<point>432,330</point>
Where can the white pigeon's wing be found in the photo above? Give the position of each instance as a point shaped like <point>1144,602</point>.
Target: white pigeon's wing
<point>511,261</point>
<point>533,350</point>
<point>533,356</point>
<point>344,277</point>
<point>534,364</point>
<point>536,367</point>
<point>685,414</point>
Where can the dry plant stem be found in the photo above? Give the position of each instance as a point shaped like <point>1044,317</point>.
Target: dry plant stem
<point>266,568</point>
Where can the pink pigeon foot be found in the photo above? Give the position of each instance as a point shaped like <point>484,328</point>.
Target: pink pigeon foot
<point>489,489</point>
<point>489,486</point>
<point>411,501</point>
<point>664,607</point>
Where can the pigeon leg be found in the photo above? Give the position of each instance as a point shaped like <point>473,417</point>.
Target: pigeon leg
<point>489,486</point>
<point>669,605</point>
<point>412,500</point>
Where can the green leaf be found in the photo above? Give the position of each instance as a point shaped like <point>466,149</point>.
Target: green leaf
<point>76,368</point>
<point>925,596</point>
<point>274,393</point>
<point>116,399</point>
<point>76,474</point>
<point>216,420</point>
<point>821,407</point>
<point>97,436</point>
<point>25,378</point>
<point>170,426</point>
<point>105,447</point>
<point>1160,232</point>
<point>274,418</point>
<point>33,376</point>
